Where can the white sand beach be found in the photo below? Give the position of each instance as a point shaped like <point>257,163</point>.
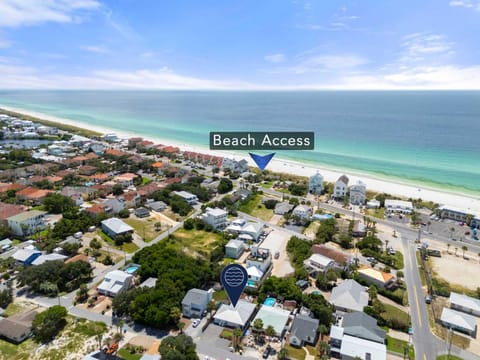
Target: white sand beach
<point>468,203</point>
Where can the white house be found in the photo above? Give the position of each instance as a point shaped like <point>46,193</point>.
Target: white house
<point>349,296</point>
<point>301,211</point>
<point>464,303</point>
<point>399,206</point>
<point>317,264</point>
<point>235,317</point>
<point>215,217</point>
<point>27,222</point>
<point>114,226</point>
<point>188,197</point>
<point>275,317</point>
<point>195,302</point>
<point>115,282</point>
<point>315,184</point>
<point>459,321</point>
<point>358,193</point>
<point>254,275</point>
<point>341,187</point>
<point>260,258</point>
<point>234,165</point>
<point>373,204</point>
<point>234,249</point>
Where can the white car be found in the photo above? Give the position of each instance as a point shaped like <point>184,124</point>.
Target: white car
<point>195,322</point>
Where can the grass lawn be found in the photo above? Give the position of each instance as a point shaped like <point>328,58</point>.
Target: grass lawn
<point>194,241</point>
<point>399,262</point>
<point>22,351</point>
<point>145,227</point>
<point>378,213</point>
<point>126,355</point>
<point>146,181</point>
<point>16,308</point>
<point>391,312</point>
<point>398,346</point>
<point>296,353</point>
<point>267,185</point>
<point>220,295</point>
<point>15,242</point>
<point>127,247</point>
<point>446,357</point>
<point>255,208</point>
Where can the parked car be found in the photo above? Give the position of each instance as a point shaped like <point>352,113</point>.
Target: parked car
<point>277,254</point>
<point>195,322</point>
<point>266,353</point>
<point>428,299</point>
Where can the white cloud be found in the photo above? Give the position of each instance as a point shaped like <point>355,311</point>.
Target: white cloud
<point>419,44</point>
<point>98,49</point>
<point>308,62</point>
<point>16,13</point>
<point>275,58</point>
<point>4,43</point>
<point>469,4</point>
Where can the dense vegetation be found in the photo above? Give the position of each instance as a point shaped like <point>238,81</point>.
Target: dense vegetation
<point>58,204</point>
<point>179,347</point>
<point>225,186</point>
<point>49,323</point>
<point>53,277</point>
<point>176,273</point>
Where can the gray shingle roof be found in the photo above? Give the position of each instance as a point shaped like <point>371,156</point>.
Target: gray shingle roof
<point>363,326</point>
<point>304,326</point>
<point>195,296</point>
<point>349,295</point>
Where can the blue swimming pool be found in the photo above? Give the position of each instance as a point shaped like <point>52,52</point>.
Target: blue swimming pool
<point>251,283</point>
<point>132,269</point>
<point>269,301</point>
<point>322,216</point>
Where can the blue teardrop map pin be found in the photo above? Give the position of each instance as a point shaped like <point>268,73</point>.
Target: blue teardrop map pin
<point>234,278</point>
<point>262,161</point>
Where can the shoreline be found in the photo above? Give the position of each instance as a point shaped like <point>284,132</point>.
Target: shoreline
<point>468,202</point>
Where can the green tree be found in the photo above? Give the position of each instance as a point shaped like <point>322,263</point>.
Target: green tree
<point>270,331</point>
<point>117,189</point>
<point>282,354</point>
<point>49,323</point>
<point>6,297</point>
<point>58,204</point>
<point>237,335</point>
<point>82,293</point>
<point>179,347</point>
<point>258,325</point>
<point>464,248</point>
<point>225,186</point>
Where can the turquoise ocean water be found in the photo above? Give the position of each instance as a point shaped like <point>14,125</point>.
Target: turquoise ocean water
<point>419,137</point>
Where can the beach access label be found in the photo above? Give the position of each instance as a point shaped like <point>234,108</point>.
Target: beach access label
<point>278,140</point>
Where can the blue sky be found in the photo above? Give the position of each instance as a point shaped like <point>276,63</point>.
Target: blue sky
<point>240,44</point>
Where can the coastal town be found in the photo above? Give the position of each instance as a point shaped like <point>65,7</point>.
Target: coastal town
<point>112,248</point>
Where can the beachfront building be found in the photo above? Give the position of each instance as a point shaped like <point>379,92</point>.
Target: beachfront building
<point>457,214</point>
<point>215,217</point>
<point>27,222</point>
<point>318,264</point>
<point>373,204</point>
<point>188,197</point>
<point>233,165</point>
<point>315,184</point>
<point>398,206</point>
<point>358,193</point>
<point>341,187</point>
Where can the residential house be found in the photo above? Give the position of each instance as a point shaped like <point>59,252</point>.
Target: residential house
<point>341,260</point>
<point>304,330</point>
<point>359,229</point>
<point>341,187</point>
<point>459,321</point>
<point>188,197</point>
<point>97,210</point>
<point>150,283</point>
<point>111,137</point>
<point>142,212</point>
<point>133,141</point>
<point>9,210</point>
<point>26,257</point>
<point>398,206</point>
<point>130,199</point>
<point>247,231</point>
<point>5,244</point>
<point>234,165</point>
<point>126,180</point>
<point>195,302</point>
<point>261,258</point>
<point>215,217</point>
<point>358,193</point>
<point>32,195</point>
<point>27,222</point>
<point>114,227</point>
<point>464,303</point>
<point>315,184</point>
<point>351,331</point>
<point>115,282</point>
<point>282,208</point>
<point>87,170</point>
<point>48,257</point>
<point>275,317</point>
<point>349,296</point>
<point>235,317</point>
<point>18,327</point>
<point>302,212</point>
<point>373,204</point>
<point>156,205</point>
<point>377,277</point>
<point>234,249</point>
<point>318,264</point>
<point>114,205</point>
<point>255,276</point>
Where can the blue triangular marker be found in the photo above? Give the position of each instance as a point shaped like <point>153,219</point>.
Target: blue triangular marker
<point>262,161</point>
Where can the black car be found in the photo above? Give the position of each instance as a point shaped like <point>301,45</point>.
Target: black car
<point>267,351</point>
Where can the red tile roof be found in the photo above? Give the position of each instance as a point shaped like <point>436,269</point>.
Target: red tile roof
<point>7,210</point>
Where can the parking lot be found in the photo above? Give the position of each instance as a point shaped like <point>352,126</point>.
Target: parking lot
<point>277,241</point>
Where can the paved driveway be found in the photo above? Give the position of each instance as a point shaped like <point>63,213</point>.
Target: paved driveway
<point>277,241</point>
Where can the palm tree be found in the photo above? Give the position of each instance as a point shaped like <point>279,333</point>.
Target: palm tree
<point>323,348</point>
<point>452,229</point>
<point>456,251</point>
<point>386,245</point>
<point>175,314</point>
<point>180,326</point>
<point>211,306</point>
<point>428,225</point>
<point>120,324</point>
<point>282,354</point>
<point>464,248</point>
<point>322,329</point>
<point>237,334</point>
<point>270,331</point>
<point>448,248</point>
